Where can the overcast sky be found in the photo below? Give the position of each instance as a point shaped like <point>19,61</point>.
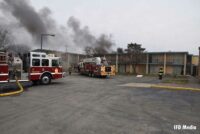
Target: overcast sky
<point>159,25</point>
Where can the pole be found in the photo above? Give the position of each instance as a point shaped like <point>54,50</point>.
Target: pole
<point>116,63</point>
<point>147,64</point>
<point>41,41</point>
<point>185,64</point>
<point>165,62</point>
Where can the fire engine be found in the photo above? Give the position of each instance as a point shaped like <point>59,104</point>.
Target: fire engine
<point>96,66</point>
<point>34,66</point>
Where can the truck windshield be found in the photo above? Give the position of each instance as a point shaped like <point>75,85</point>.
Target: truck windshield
<point>55,63</point>
<point>60,62</point>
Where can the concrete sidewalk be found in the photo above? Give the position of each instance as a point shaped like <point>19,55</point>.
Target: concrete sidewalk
<point>192,87</point>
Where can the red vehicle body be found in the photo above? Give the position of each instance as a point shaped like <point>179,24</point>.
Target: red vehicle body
<point>40,67</point>
<point>3,67</point>
<point>96,67</point>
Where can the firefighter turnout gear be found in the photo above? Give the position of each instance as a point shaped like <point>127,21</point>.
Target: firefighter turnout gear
<point>160,74</point>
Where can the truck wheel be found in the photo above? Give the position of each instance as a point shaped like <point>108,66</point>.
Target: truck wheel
<point>46,79</point>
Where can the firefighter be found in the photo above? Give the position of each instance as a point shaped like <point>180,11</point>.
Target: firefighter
<point>70,70</point>
<point>79,69</point>
<point>160,73</point>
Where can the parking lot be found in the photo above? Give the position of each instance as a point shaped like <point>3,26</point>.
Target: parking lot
<point>84,105</point>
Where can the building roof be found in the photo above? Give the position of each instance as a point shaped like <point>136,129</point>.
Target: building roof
<point>54,51</point>
<point>169,52</point>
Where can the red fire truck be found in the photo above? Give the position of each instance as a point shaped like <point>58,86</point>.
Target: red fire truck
<point>35,66</point>
<point>97,66</point>
<point>3,67</point>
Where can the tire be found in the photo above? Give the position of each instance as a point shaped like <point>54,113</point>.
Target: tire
<point>92,75</point>
<point>46,79</point>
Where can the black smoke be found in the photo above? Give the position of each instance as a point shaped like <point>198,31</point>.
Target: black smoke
<point>27,24</point>
<point>27,16</point>
<point>82,37</point>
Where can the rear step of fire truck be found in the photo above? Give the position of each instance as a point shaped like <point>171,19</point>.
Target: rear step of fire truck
<point>12,81</point>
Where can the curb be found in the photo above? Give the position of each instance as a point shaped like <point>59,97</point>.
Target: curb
<point>175,88</point>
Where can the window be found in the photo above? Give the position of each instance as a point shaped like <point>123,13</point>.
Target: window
<point>45,62</point>
<point>43,56</point>
<point>55,63</point>
<point>36,62</point>
<point>2,58</point>
<point>36,55</point>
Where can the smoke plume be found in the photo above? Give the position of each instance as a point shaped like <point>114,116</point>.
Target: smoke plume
<point>83,38</point>
<point>26,25</point>
<point>27,16</point>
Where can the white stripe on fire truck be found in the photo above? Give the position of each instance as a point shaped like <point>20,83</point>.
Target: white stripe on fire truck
<point>36,73</point>
<point>18,80</point>
<point>56,73</point>
<point>3,81</point>
<point>13,81</point>
<point>3,74</point>
<point>42,73</point>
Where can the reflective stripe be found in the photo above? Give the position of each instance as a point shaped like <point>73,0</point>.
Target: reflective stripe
<point>18,80</point>
<point>42,73</point>
<point>3,74</point>
<point>3,81</point>
<point>35,73</point>
<point>56,73</point>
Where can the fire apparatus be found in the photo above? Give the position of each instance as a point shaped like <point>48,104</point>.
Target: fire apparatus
<point>35,66</point>
<point>97,66</point>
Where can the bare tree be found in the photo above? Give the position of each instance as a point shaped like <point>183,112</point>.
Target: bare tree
<point>4,39</point>
<point>135,51</point>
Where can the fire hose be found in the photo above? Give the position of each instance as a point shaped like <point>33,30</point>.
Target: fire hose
<point>21,89</point>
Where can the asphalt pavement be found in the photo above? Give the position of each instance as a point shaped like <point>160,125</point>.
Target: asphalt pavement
<point>12,86</point>
<point>84,105</point>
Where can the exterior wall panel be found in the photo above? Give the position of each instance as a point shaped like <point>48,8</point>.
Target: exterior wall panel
<point>154,69</point>
<point>141,69</point>
<point>121,69</point>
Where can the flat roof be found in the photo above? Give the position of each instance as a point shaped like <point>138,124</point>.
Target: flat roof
<point>173,52</point>
<point>167,52</point>
<point>178,52</point>
<point>54,51</point>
